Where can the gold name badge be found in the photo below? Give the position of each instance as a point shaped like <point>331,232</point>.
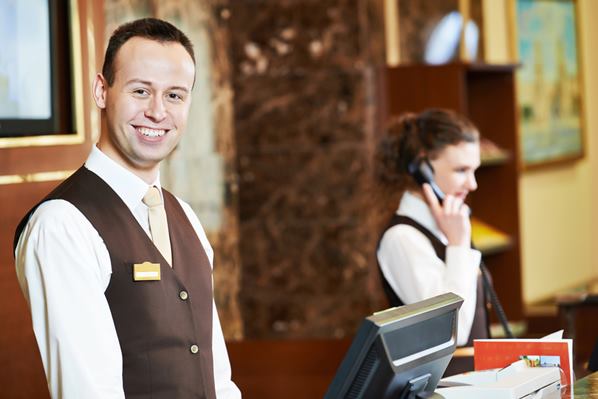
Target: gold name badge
<point>146,271</point>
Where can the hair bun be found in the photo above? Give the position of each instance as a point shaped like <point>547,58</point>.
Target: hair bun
<point>408,123</point>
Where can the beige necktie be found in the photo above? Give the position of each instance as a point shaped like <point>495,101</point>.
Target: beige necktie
<point>157,221</point>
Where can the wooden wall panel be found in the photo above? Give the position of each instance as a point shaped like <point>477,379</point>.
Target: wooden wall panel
<point>22,373</point>
<point>24,376</point>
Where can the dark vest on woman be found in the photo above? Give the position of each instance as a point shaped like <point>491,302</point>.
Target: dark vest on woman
<point>479,328</point>
<point>164,327</point>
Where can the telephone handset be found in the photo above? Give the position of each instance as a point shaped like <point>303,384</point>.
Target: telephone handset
<point>422,171</point>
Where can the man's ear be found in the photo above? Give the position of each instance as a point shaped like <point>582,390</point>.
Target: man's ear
<point>99,88</point>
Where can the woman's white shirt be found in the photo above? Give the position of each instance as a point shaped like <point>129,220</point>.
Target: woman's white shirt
<point>410,265</point>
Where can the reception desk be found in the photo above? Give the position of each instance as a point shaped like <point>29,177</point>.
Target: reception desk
<point>303,369</point>
<point>579,312</point>
<point>584,388</point>
<point>290,369</point>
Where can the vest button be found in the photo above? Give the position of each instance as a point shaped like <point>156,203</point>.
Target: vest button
<point>194,349</point>
<point>183,295</point>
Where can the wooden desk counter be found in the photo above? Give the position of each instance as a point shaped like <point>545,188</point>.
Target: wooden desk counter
<point>303,369</point>
<point>579,313</point>
<point>290,369</point>
<point>584,388</point>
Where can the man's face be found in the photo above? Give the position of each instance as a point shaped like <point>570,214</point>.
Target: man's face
<point>146,107</point>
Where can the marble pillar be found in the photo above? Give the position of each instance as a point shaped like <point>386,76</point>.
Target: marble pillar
<point>305,83</point>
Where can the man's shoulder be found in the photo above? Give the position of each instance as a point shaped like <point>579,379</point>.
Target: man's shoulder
<point>192,216</point>
<point>184,205</point>
<point>197,226</point>
<point>53,219</point>
<point>54,212</point>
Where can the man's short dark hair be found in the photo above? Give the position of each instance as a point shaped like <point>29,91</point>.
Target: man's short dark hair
<point>148,28</point>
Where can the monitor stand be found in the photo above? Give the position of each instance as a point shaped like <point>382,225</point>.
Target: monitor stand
<point>429,395</point>
<point>415,389</point>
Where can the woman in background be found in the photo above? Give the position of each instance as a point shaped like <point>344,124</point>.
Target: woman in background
<point>425,250</point>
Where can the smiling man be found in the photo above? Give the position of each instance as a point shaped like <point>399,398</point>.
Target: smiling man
<point>117,271</point>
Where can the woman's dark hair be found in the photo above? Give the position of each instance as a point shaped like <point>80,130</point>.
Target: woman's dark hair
<point>411,136</point>
<point>148,28</point>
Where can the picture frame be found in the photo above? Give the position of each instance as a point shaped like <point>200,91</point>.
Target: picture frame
<point>54,64</point>
<point>549,82</point>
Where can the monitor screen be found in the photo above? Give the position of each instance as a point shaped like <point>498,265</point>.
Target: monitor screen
<point>400,353</point>
<point>34,67</point>
<point>25,75</point>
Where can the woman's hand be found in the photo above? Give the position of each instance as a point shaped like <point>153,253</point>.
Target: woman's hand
<point>452,217</point>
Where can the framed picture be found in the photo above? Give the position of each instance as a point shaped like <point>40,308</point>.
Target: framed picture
<point>39,41</point>
<point>549,82</point>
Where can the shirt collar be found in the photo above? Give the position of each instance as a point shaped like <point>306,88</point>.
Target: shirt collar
<point>128,186</point>
<point>417,209</point>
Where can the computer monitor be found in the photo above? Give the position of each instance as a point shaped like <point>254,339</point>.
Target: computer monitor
<point>399,353</point>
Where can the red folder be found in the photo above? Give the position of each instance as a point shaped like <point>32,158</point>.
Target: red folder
<point>499,353</point>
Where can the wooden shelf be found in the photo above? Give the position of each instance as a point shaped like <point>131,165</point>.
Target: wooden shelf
<point>480,67</point>
<point>492,155</point>
<point>487,239</point>
<point>577,293</point>
<point>495,159</point>
<point>518,328</point>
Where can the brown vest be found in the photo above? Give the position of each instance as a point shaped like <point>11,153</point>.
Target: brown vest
<point>479,328</point>
<point>156,323</point>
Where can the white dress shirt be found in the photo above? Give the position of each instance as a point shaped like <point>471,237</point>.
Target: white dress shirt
<point>410,265</point>
<point>64,268</point>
